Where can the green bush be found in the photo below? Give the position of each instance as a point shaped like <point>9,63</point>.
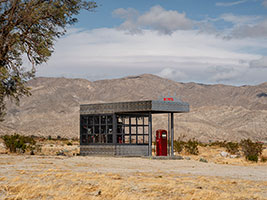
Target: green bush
<point>232,147</point>
<point>191,147</point>
<point>251,150</point>
<point>17,142</point>
<point>218,143</point>
<point>178,145</point>
<point>263,158</point>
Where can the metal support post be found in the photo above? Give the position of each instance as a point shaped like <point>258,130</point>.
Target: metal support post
<point>150,134</point>
<point>172,134</point>
<point>114,128</point>
<point>169,135</point>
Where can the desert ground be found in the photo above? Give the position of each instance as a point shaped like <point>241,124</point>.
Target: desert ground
<point>48,176</point>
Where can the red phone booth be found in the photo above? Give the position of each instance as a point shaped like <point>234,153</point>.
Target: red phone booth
<point>162,141</point>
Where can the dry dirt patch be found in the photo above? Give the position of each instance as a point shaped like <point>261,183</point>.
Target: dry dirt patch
<point>53,177</point>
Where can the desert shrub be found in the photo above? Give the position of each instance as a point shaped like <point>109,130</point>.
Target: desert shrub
<point>191,147</point>
<point>178,145</point>
<point>218,143</point>
<point>69,143</point>
<point>263,158</point>
<point>17,142</point>
<point>202,144</point>
<point>49,137</point>
<point>232,147</point>
<point>58,137</point>
<point>251,150</point>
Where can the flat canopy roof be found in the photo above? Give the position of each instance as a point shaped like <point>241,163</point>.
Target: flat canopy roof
<point>153,106</point>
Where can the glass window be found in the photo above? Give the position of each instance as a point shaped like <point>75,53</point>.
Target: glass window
<point>110,130</point>
<point>110,138</point>
<point>96,119</point>
<point>103,129</point>
<point>96,129</point>
<point>103,119</point>
<point>90,120</point>
<point>109,119</point>
<point>83,139</point>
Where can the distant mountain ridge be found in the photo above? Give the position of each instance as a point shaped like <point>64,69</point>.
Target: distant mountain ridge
<point>216,110</point>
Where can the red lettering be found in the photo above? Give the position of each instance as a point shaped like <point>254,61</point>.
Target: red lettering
<point>168,99</point>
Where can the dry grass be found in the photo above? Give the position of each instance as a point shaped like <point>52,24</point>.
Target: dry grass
<point>62,178</point>
<point>57,184</point>
<point>74,178</point>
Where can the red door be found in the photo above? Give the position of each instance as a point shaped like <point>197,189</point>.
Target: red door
<point>161,141</point>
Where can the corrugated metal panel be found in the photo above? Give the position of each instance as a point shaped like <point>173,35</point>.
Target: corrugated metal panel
<point>111,150</point>
<point>136,106</point>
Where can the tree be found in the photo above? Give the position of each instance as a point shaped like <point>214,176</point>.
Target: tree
<point>29,28</point>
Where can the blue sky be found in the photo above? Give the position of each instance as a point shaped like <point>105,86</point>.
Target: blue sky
<point>184,40</point>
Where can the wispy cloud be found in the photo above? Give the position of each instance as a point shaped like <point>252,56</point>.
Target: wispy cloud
<point>226,4</point>
<point>264,3</point>
<point>260,63</point>
<point>258,30</point>
<point>183,56</point>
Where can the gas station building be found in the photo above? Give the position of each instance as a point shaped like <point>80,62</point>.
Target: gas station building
<point>124,128</point>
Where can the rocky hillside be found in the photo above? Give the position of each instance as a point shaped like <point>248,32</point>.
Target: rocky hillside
<point>217,111</point>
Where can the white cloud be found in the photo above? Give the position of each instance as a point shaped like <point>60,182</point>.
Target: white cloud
<point>226,4</point>
<point>258,30</point>
<point>225,74</point>
<point>157,18</point>
<point>109,53</point>
<point>239,19</point>
<point>259,63</point>
<point>172,73</point>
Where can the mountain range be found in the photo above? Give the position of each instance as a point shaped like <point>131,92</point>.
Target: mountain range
<point>217,112</point>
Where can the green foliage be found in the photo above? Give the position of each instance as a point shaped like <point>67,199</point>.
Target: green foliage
<point>49,137</point>
<point>251,150</point>
<point>17,142</point>
<point>218,143</point>
<point>191,147</point>
<point>178,145</point>
<point>30,27</point>
<point>263,158</point>
<point>232,147</point>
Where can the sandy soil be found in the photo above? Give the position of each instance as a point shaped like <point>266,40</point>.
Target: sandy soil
<point>59,177</point>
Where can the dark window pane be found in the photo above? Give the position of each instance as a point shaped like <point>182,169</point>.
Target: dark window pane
<point>103,119</point>
<point>90,139</point>
<point>96,119</point>
<point>83,139</point>
<point>109,119</point>
<point>90,120</point>
<point>103,129</point>
<point>103,138</point>
<point>110,138</point>
<point>83,120</point>
<point>110,129</point>
<point>119,139</point>
<point>96,138</point>
<point>96,129</point>
<point>119,129</point>
<point>90,130</point>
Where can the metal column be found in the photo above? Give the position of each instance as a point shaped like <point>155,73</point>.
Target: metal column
<point>172,134</point>
<point>150,134</point>
<point>114,127</point>
<point>169,136</point>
